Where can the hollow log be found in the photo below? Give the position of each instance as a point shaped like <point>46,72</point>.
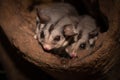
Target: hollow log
<point>18,23</point>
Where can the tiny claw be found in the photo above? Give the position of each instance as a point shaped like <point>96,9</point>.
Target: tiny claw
<point>35,36</point>
<point>66,50</point>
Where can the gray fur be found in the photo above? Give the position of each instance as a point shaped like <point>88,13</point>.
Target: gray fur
<point>86,26</point>
<point>56,16</point>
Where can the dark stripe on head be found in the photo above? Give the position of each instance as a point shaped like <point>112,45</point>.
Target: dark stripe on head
<point>44,26</point>
<point>51,28</point>
<point>79,35</point>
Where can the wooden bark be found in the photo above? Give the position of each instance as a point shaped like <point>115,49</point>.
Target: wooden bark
<point>19,26</point>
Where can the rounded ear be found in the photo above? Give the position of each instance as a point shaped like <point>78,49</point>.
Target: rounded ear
<point>42,17</point>
<point>69,30</point>
<point>94,33</point>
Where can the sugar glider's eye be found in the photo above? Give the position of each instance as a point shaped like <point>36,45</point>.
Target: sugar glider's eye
<point>42,34</point>
<point>82,46</point>
<point>57,38</point>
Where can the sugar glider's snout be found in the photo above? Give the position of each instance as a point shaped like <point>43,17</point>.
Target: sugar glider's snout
<point>47,47</point>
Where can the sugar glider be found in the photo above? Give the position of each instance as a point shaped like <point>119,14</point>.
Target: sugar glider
<point>52,25</point>
<point>87,34</point>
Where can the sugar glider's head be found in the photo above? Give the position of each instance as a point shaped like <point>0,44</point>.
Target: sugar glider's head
<point>88,32</point>
<point>53,35</point>
<point>82,45</point>
<point>51,38</point>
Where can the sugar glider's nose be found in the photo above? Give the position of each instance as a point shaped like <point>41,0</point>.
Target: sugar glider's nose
<point>73,55</point>
<point>47,47</point>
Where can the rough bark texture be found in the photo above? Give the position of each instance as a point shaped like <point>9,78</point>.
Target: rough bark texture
<point>18,24</point>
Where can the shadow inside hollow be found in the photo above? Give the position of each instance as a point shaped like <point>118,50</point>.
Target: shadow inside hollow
<point>28,69</point>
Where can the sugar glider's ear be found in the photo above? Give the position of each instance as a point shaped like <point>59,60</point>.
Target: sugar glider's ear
<point>69,30</point>
<point>94,33</point>
<point>42,18</point>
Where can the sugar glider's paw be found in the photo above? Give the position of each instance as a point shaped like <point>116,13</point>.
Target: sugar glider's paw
<point>35,36</point>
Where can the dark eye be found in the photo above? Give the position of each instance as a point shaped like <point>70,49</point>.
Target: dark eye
<point>57,38</point>
<point>42,34</point>
<point>82,46</point>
